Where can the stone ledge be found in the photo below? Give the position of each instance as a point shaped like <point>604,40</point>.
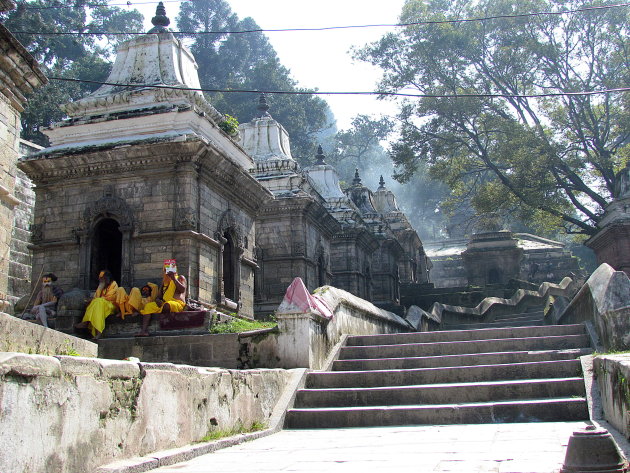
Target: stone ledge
<point>27,337</point>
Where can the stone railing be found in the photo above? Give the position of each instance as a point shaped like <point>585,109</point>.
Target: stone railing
<point>490,307</point>
<point>604,301</point>
<point>71,414</point>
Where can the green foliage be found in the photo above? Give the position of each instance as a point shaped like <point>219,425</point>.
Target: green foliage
<point>545,161</point>
<point>216,434</point>
<point>229,124</point>
<point>83,56</point>
<point>240,325</point>
<point>249,62</point>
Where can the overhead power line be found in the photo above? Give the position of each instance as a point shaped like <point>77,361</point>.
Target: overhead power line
<point>327,28</point>
<point>92,5</point>
<point>317,92</point>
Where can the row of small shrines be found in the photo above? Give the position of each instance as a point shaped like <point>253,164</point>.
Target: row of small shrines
<point>138,175</point>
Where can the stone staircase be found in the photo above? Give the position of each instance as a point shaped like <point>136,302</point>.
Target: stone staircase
<point>512,369</point>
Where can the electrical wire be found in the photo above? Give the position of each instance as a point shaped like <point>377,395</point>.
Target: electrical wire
<point>317,92</point>
<point>328,28</point>
<point>93,5</point>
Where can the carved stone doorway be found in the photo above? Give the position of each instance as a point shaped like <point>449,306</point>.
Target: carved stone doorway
<point>106,250</point>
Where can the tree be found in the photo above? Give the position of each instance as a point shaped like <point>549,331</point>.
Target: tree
<point>360,147</point>
<point>247,61</point>
<point>547,161</point>
<point>81,56</point>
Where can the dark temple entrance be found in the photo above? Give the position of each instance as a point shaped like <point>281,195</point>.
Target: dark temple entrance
<point>106,250</point>
<point>229,267</point>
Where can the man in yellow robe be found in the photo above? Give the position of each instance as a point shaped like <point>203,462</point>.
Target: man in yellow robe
<point>172,298</point>
<point>137,299</point>
<point>103,305</point>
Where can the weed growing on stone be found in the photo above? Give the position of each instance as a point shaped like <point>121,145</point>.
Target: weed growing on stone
<point>222,433</point>
<point>240,325</point>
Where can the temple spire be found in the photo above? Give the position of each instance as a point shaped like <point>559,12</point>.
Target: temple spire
<point>381,183</point>
<point>320,156</point>
<point>263,107</point>
<point>357,180</point>
<point>160,20</point>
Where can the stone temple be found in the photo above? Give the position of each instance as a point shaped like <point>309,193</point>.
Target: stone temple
<point>137,175</point>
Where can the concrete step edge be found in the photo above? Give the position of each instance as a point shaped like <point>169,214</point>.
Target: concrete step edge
<point>448,334</point>
<point>524,352</point>
<point>513,382</point>
<point>534,401</point>
<point>445,368</point>
<point>485,340</point>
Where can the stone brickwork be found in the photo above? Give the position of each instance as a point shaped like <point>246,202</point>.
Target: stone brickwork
<point>169,203</point>
<point>293,236</point>
<point>9,141</point>
<point>20,261</point>
<point>19,76</point>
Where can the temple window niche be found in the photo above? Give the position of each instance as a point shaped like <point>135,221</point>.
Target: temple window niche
<point>232,248</point>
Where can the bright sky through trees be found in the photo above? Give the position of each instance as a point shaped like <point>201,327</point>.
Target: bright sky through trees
<point>318,59</point>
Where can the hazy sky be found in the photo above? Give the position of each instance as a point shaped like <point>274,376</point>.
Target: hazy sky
<point>317,59</point>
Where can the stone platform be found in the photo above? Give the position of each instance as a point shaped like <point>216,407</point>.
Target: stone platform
<point>493,448</point>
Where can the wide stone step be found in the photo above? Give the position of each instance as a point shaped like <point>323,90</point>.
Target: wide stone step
<point>458,360</point>
<point>492,325</point>
<point>562,342</point>
<point>517,320</point>
<point>454,374</point>
<point>548,410</point>
<point>441,393</point>
<point>522,316</point>
<point>466,335</point>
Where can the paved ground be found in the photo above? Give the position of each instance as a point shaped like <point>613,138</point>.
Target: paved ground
<point>497,448</point>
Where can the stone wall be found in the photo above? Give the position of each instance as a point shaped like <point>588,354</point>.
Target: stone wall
<point>613,377</point>
<point>198,350</point>
<point>88,412</point>
<point>26,337</point>
<point>20,255</point>
<point>292,234</point>
<point>9,145</point>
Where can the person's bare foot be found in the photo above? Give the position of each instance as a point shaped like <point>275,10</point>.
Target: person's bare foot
<point>119,315</point>
<point>81,325</point>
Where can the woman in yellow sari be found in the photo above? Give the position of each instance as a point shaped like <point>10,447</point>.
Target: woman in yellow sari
<point>102,305</point>
<point>172,299</point>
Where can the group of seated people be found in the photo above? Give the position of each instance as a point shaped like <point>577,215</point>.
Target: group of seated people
<point>111,299</point>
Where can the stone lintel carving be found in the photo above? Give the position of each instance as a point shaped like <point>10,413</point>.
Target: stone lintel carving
<point>109,206</point>
<point>228,223</point>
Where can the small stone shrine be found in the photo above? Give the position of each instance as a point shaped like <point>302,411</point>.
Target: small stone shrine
<point>414,266</point>
<point>353,245</point>
<point>294,229</point>
<point>137,175</point>
<point>385,272</point>
<point>611,243</point>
